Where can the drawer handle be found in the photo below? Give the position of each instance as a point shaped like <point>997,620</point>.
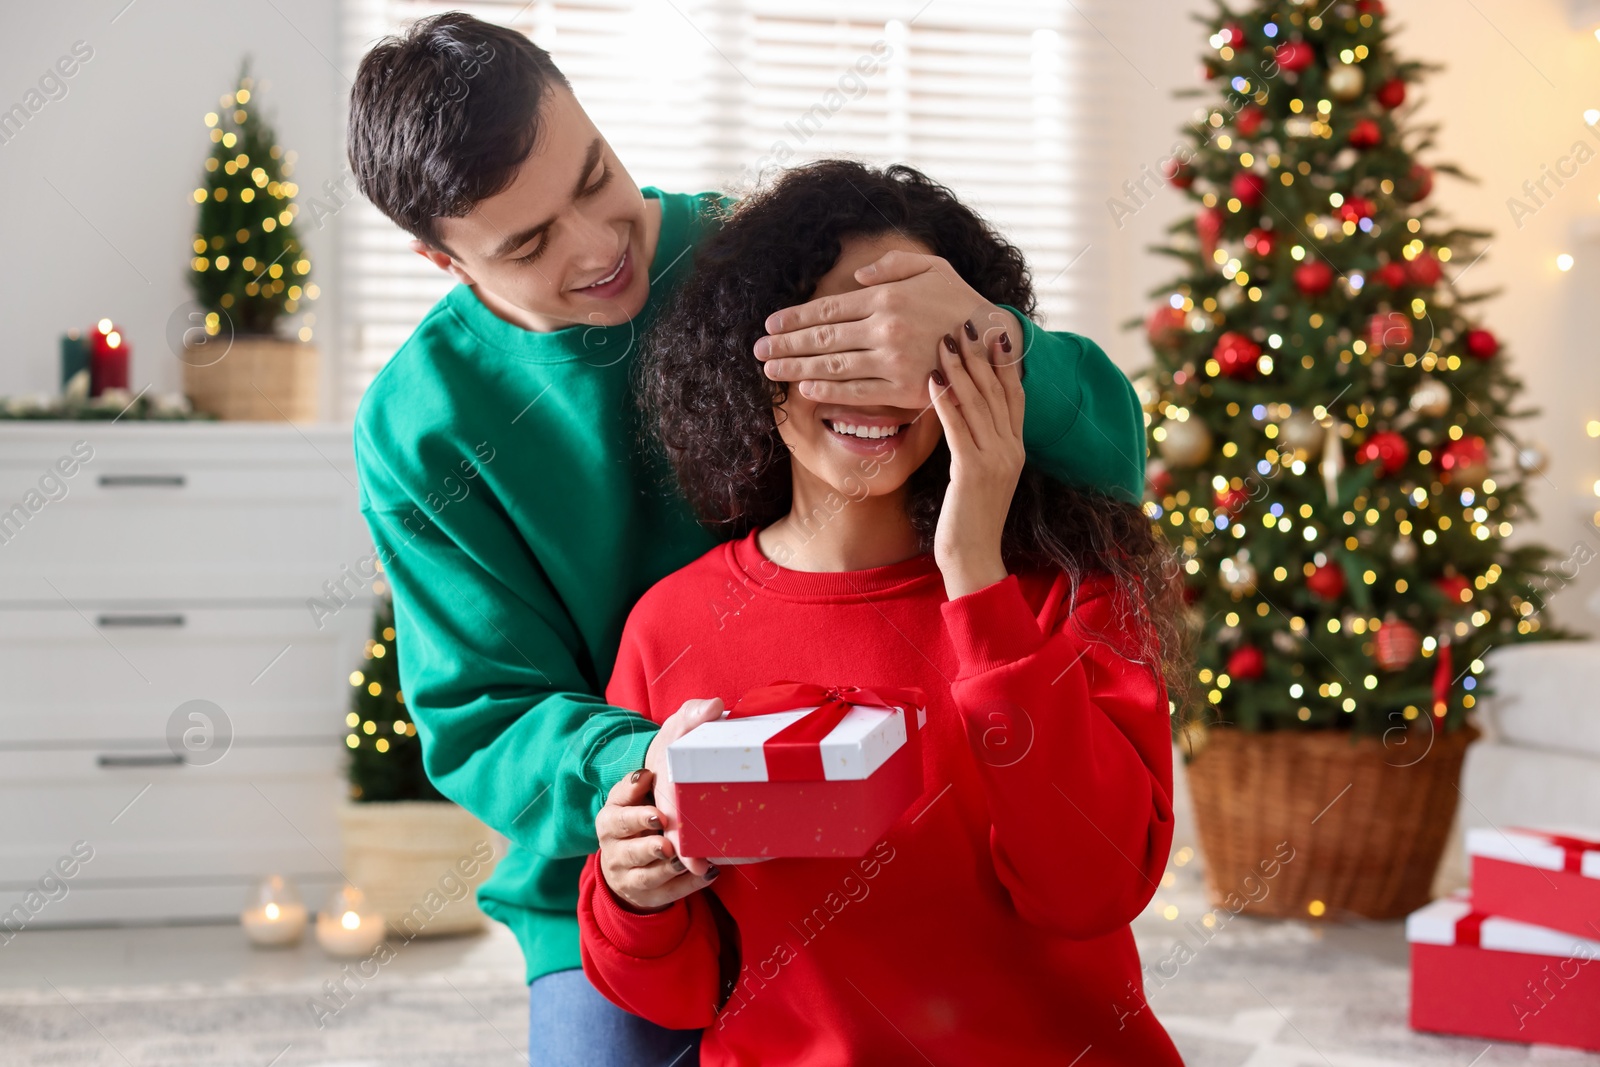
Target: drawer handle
<point>146,621</point>
<point>154,759</point>
<point>142,481</point>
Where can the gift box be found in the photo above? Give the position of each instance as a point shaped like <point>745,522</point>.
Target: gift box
<point>1538,876</point>
<point>1481,975</point>
<point>797,770</point>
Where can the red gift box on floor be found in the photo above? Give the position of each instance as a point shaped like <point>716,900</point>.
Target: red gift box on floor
<point>1479,975</point>
<point>1538,876</point>
<point>797,770</point>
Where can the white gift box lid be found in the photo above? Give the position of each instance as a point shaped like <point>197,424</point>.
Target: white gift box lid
<point>1531,848</point>
<point>729,750</point>
<point>1435,924</point>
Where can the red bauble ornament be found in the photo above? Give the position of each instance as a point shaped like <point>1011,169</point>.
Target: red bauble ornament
<point>1294,55</point>
<point>1246,664</point>
<point>1392,93</point>
<point>1165,326</point>
<point>1464,462</point>
<point>1417,184</point>
<point>1233,33</point>
<point>1157,479</point>
<point>1248,122</point>
<point>1208,227</point>
<point>1327,582</point>
<point>1357,208</point>
<point>1236,355</point>
<point>1425,270</point>
<point>1392,275</point>
<point>1261,242</point>
<point>1388,448</point>
<point>1452,586</point>
<point>1395,645</point>
<point>1389,329</point>
<point>1365,134</point>
<point>1180,174</point>
<point>1249,187</point>
<point>1231,502</point>
<point>1481,344</point>
<point>1374,8</point>
<point>108,358</point>
<point>1313,278</point>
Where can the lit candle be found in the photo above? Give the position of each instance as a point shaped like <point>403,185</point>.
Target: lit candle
<point>344,928</point>
<point>275,924</point>
<point>275,915</point>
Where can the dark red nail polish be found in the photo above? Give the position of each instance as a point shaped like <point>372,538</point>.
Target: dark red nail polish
<point>972,331</point>
<point>939,379</point>
<point>950,344</point>
<point>711,874</point>
<point>1005,341</point>
<point>636,775</point>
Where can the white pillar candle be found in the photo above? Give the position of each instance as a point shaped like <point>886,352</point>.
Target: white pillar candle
<point>274,915</point>
<point>346,928</point>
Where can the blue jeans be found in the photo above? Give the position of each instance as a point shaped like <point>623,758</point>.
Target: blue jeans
<point>571,1025</point>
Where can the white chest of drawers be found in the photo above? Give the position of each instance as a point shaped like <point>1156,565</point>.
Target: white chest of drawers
<point>143,567</point>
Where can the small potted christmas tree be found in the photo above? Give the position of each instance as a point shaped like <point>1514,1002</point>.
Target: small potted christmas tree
<point>1331,423</point>
<point>416,856</point>
<point>249,272</point>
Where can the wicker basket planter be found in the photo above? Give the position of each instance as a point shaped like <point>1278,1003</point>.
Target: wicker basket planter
<point>1368,820</point>
<point>254,379</point>
<point>418,862</point>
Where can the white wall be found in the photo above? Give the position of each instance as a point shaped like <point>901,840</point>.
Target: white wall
<point>123,150</point>
<point>1503,114</point>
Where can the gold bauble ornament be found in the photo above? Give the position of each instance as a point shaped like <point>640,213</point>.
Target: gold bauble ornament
<point>1345,81</point>
<point>1301,435</point>
<point>1238,575</point>
<point>1186,443</point>
<point>1533,459</point>
<point>1431,397</point>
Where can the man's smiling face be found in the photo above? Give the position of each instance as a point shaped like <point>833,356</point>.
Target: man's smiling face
<point>566,242</point>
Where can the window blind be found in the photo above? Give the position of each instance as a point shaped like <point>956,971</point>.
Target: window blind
<point>995,98</point>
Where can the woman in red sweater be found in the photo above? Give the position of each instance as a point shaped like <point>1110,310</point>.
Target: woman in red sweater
<point>888,547</point>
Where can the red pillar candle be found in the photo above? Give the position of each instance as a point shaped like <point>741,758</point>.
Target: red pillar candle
<point>108,358</point>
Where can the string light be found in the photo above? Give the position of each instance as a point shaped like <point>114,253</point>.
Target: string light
<point>246,220</point>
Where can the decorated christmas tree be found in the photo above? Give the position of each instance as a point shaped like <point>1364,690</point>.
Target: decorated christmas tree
<point>1330,419</point>
<point>248,263</point>
<point>385,754</point>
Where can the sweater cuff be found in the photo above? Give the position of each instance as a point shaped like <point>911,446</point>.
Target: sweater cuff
<point>642,936</point>
<point>992,627</point>
<point>620,756</point>
<point>1055,397</point>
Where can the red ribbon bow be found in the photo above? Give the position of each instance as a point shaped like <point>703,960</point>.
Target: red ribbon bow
<point>1469,929</point>
<point>793,753</point>
<point>1572,848</point>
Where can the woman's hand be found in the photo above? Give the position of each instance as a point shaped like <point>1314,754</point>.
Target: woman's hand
<point>636,859</point>
<point>979,401</point>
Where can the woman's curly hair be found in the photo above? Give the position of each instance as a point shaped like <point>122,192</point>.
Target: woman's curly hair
<point>711,408</point>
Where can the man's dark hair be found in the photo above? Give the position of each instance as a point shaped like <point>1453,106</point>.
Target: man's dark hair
<point>443,115</point>
<point>710,406</point>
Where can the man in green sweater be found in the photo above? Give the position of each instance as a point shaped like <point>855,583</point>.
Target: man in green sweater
<point>502,476</point>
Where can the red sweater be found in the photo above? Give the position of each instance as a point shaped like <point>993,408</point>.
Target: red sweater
<point>991,924</point>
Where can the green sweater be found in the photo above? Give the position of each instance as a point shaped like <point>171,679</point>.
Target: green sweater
<point>518,521</point>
